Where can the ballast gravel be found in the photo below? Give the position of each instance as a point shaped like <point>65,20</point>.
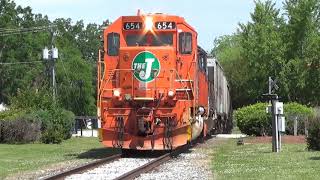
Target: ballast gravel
<point>111,170</point>
<point>194,164</point>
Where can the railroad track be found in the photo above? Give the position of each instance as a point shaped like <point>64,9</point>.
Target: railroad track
<point>83,168</point>
<point>151,165</point>
<point>108,165</point>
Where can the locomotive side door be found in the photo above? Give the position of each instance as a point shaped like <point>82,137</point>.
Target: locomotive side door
<point>186,56</point>
<point>186,50</point>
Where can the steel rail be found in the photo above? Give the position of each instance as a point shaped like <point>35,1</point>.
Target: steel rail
<point>131,174</point>
<point>82,168</point>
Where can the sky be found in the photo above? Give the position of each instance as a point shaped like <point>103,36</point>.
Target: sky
<point>211,18</point>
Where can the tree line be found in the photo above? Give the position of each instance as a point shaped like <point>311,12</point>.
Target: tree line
<point>281,43</point>
<point>20,41</point>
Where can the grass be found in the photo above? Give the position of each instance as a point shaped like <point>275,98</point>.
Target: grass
<point>256,161</point>
<point>28,157</point>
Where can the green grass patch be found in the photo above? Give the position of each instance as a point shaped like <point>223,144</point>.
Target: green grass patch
<point>27,157</point>
<point>256,161</point>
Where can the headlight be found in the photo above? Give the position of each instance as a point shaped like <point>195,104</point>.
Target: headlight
<point>170,93</point>
<point>148,23</point>
<point>201,110</point>
<point>116,92</point>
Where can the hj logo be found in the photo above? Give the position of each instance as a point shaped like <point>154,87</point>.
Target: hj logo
<point>146,67</point>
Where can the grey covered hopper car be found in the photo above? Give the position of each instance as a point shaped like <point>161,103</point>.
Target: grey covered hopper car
<point>219,98</point>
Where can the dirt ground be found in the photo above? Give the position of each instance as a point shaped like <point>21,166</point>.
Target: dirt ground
<point>285,139</point>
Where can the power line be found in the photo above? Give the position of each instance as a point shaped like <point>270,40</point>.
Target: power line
<point>22,29</point>
<point>17,31</point>
<point>16,63</point>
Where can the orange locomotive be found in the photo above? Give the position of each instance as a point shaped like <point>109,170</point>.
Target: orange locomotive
<point>152,84</point>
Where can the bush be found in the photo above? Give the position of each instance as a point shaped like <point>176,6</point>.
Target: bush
<point>32,111</point>
<point>299,111</point>
<point>49,126</point>
<point>313,138</point>
<point>253,120</point>
<point>56,124</point>
<point>19,128</point>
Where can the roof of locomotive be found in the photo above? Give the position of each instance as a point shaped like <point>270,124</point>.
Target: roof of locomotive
<point>156,17</point>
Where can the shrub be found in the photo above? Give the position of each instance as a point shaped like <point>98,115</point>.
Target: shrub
<point>313,138</point>
<point>32,111</point>
<point>253,119</point>
<point>49,126</point>
<point>299,111</point>
<point>19,128</point>
<point>56,124</point>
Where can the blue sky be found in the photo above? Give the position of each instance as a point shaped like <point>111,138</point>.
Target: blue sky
<point>211,18</point>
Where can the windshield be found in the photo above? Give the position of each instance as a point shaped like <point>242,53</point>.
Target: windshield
<point>164,39</point>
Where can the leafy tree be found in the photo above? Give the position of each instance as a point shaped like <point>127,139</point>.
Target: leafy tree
<point>88,42</point>
<point>253,54</point>
<point>75,78</point>
<point>78,45</point>
<point>227,50</point>
<point>75,87</point>
<point>302,53</point>
<point>286,47</point>
<point>19,47</point>
<point>262,47</point>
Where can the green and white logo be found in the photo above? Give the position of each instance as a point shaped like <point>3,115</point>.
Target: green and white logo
<point>146,66</point>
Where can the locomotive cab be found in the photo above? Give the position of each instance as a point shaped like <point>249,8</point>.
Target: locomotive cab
<point>149,83</point>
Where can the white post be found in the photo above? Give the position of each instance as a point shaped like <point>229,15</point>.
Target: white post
<point>295,126</point>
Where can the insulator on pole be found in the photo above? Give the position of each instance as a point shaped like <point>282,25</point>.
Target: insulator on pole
<point>45,53</point>
<point>55,53</point>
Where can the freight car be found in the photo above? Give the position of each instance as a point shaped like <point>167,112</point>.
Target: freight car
<point>219,98</point>
<point>154,84</point>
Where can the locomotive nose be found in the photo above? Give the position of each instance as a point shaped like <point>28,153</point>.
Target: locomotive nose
<point>146,72</point>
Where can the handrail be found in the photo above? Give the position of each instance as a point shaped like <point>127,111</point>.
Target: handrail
<point>183,83</point>
<point>172,80</point>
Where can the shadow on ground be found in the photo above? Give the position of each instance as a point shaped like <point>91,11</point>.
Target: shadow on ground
<point>142,154</point>
<point>96,153</point>
<point>315,158</point>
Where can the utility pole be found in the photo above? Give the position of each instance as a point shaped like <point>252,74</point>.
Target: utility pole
<point>51,55</point>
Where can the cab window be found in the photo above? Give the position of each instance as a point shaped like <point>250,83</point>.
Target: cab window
<point>165,39</point>
<point>185,43</point>
<point>202,62</point>
<point>113,44</point>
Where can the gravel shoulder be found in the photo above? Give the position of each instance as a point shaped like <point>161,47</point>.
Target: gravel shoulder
<point>48,170</point>
<point>194,164</point>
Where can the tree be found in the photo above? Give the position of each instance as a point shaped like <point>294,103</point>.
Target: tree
<point>19,47</point>
<point>303,46</point>
<point>74,80</point>
<point>77,44</point>
<point>227,50</point>
<point>286,47</point>
<point>262,48</point>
